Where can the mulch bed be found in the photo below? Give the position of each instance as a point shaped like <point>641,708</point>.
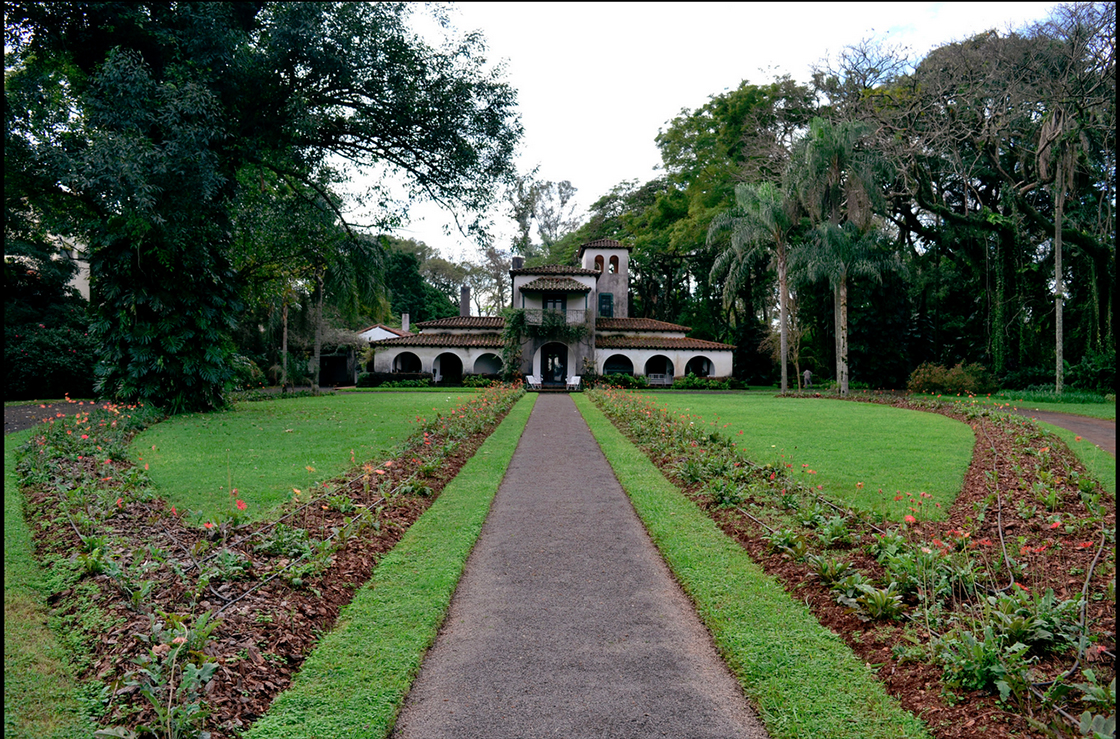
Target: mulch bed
<point>918,686</point>
<point>265,631</point>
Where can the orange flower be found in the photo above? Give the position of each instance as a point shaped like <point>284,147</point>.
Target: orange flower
<point>909,519</point>
<point>1077,438</point>
<point>208,525</point>
<point>241,505</point>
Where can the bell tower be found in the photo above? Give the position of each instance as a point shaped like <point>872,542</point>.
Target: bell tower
<point>612,261</point>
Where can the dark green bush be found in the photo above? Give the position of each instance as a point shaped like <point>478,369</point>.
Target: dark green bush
<point>378,379</point>
<point>692,382</point>
<point>963,379</point>
<point>1096,371</point>
<point>628,382</point>
<point>48,351</point>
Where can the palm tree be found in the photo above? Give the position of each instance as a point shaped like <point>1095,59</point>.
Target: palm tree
<point>838,253</point>
<point>762,220</point>
<point>836,180</point>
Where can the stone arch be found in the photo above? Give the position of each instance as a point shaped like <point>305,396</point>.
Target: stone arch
<point>407,362</point>
<point>488,364</point>
<point>699,365</point>
<point>618,364</point>
<point>450,366</point>
<point>599,262</point>
<point>613,268</point>
<point>659,364</point>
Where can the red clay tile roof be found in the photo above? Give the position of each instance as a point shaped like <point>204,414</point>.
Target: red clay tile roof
<point>658,342</point>
<point>493,341</point>
<point>390,329</point>
<point>493,323</point>
<point>555,284</point>
<point>553,269</point>
<point>602,244</point>
<point>637,324</point>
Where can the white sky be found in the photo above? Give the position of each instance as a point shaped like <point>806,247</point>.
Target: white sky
<point>596,81</point>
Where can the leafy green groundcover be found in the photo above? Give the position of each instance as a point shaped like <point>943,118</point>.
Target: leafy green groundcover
<point>355,681</point>
<point>35,666</point>
<point>802,678</point>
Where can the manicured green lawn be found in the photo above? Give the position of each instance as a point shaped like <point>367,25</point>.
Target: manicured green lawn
<point>355,681</point>
<point>853,449</point>
<point>265,449</point>
<point>1012,400</point>
<point>40,695</point>
<point>803,679</point>
<point>1099,462</point>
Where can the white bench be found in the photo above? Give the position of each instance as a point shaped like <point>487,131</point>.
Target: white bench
<point>658,378</point>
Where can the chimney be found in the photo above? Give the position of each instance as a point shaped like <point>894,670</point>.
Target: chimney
<point>517,263</point>
<point>404,322</point>
<point>464,301</point>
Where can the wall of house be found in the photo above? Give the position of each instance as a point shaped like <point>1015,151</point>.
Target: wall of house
<point>721,360</point>
<point>384,359</point>
<point>618,283</point>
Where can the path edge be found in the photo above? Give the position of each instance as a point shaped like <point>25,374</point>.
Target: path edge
<point>380,638</point>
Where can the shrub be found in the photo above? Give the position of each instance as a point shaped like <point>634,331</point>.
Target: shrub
<point>970,379</point>
<point>378,379</point>
<point>626,382</point>
<point>1096,371</point>
<point>692,382</point>
<point>481,380</point>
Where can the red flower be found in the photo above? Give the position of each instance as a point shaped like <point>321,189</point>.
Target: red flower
<point>241,505</point>
<point>898,497</point>
<point>120,502</point>
<point>1085,545</point>
<point>208,525</point>
<point>1056,524</point>
<point>909,519</point>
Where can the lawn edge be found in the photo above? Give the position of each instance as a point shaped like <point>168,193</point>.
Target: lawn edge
<point>35,664</point>
<point>787,663</point>
<point>1100,463</point>
<point>356,679</point>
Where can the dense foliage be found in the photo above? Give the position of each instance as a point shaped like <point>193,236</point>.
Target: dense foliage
<point>151,131</point>
<point>918,207</point>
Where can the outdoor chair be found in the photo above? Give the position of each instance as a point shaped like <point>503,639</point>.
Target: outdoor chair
<point>573,382</point>
<point>533,382</point>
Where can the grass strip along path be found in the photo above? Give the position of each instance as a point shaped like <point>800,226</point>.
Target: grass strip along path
<point>35,665</point>
<point>802,678</point>
<point>354,682</point>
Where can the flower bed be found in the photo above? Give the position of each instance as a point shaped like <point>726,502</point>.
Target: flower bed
<point>219,615</point>
<point>999,620</point>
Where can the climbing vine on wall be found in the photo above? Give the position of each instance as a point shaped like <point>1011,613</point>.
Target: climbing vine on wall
<point>554,326</point>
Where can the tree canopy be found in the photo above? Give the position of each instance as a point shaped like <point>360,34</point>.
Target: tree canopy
<point>140,127</point>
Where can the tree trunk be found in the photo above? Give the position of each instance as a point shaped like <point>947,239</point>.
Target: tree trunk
<point>836,331</point>
<point>1059,283</point>
<point>842,360</point>
<point>783,318</point>
<point>318,333</point>
<point>284,348</point>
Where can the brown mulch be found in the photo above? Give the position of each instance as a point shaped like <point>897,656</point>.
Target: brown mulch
<point>265,631</point>
<point>918,686</point>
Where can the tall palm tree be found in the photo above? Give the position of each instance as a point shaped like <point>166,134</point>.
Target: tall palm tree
<point>761,221</point>
<point>836,179</point>
<point>838,253</point>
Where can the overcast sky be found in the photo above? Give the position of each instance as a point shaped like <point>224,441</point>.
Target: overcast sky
<point>596,81</point>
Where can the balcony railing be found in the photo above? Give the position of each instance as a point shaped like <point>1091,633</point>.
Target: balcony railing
<point>538,316</point>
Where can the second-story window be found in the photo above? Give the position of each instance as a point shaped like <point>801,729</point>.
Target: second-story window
<point>606,305</point>
<point>555,302</point>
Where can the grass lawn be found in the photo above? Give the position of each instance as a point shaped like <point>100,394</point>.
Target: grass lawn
<point>355,681</point>
<point>803,679</point>
<point>1077,404</point>
<point>1099,462</point>
<point>35,667</point>
<point>852,449</point>
<point>265,448</point>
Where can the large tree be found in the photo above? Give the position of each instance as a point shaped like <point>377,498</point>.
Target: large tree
<point>163,105</point>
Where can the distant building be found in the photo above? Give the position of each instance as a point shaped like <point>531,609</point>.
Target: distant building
<point>573,321</point>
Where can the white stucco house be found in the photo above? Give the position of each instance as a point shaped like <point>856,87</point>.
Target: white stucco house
<point>569,321</point>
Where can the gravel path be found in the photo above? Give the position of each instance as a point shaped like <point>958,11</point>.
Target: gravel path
<point>567,622</point>
<point>1097,430</point>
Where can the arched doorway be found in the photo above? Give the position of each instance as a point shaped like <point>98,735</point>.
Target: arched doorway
<point>407,362</point>
<point>699,366</point>
<point>488,364</point>
<point>618,364</point>
<point>450,367</point>
<point>659,364</point>
<point>554,364</point>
